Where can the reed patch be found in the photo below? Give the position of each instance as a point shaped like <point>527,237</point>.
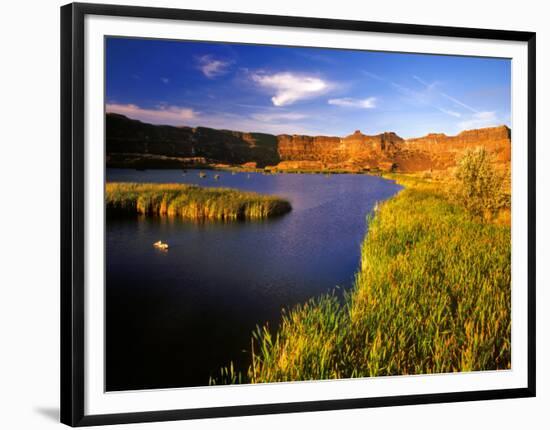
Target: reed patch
<point>191,202</point>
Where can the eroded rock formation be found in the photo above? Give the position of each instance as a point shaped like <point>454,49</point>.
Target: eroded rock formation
<point>128,136</point>
<point>132,143</point>
<point>442,151</point>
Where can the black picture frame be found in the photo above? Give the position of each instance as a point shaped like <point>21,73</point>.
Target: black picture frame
<point>72,211</point>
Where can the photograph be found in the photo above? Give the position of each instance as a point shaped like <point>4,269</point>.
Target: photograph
<point>277,214</point>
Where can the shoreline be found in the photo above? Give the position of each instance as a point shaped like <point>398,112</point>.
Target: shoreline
<point>264,171</point>
<point>459,332</point>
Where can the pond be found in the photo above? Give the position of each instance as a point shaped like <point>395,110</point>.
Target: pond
<point>174,318</point>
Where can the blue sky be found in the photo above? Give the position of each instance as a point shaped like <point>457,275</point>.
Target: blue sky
<point>295,90</point>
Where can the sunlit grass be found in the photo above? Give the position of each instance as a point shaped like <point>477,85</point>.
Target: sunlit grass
<point>191,202</point>
<point>432,295</point>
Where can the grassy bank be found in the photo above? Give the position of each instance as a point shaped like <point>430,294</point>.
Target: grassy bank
<point>432,294</point>
<point>191,202</point>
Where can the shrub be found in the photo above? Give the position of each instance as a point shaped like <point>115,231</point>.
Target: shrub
<point>479,186</point>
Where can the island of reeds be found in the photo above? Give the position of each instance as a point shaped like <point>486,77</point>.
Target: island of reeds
<point>431,295</point>
<point>191,202</point>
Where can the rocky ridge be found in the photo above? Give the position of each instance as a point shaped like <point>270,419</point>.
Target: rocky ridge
<point>131,143</point>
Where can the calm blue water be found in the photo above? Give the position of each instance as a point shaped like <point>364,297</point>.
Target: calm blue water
<point>174,318</point>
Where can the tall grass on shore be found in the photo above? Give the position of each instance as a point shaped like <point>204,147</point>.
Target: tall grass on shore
<point>432,295</point>
<point>191,202</point>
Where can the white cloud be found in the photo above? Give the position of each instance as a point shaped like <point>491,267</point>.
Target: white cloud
<point>451,112</point>
<point>429,96</point>
<point>459,103</point>
<point>429,86</point>
<point>367,103</point>
<point>275,123</point>
<point>290,88</point>
<point>278,117</point>
<point>423,97</point>
<point>480,120</point>
<point>165,80</point>
<point>374,76</point>
<point>247,123</point>
<point>162,114</point>
<point>211,67</point>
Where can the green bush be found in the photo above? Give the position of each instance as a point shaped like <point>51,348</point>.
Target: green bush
<point>479,186</point>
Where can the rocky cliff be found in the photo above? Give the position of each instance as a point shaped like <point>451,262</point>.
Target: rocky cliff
<point>337,149</point>
<point>353,152</point>
<point>126,137</point>
<point>131,143</point>
<point>441,151</point>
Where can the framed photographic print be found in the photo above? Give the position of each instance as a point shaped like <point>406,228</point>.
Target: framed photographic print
<point>269,214</point>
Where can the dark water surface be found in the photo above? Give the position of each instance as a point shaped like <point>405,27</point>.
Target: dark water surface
<point>173,318</point>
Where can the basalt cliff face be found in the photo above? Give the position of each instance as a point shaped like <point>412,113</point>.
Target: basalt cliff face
<point>131,143</point>
<point>388,151</point>
<point>440,151</point>
<point>353,152</point>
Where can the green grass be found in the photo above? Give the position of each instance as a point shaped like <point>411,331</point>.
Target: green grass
<point>191,202</point>
<point>432,295</point>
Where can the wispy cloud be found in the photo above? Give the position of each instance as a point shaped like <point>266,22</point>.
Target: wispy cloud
<point>474,118</point>
<point>450,112</point>
<point>268,123</point>
<point>212,67</point>
<point>161,114</point>
<point>316,57</point>
<point>479,120</point>
<point>429,86</point>
<point>431,96</point>
<point>289,87</point>
<point>278,117</point>
<point>374,76</point>
<point>276,122</point>
<point>165,80</point>
<point>413,96</point>
<point>367,103</point>
<point>459,103</point>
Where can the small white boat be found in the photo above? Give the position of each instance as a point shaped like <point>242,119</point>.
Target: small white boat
<point>160,245</point>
